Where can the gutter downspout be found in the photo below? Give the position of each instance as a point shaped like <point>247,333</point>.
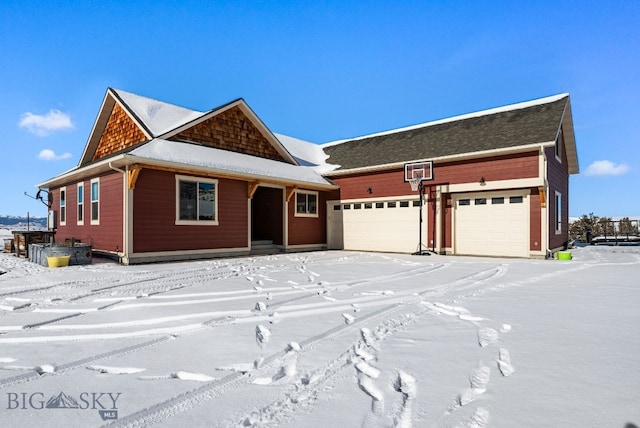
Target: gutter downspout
<point>545,211</point>
<point>126,224</point>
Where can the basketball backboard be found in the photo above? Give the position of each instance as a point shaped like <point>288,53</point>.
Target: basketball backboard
<point>422,170</point>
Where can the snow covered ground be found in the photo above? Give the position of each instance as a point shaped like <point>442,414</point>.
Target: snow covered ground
<point>322,339</point>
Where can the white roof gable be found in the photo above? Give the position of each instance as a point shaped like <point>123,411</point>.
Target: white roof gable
<point>157,116</point>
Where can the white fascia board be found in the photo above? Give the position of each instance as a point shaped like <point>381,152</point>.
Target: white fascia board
<point>520,183</point>
<point>101,120</point>
<point>452,158</point>
<point>84,172</point>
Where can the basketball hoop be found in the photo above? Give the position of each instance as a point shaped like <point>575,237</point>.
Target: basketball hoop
<point>415,183</point>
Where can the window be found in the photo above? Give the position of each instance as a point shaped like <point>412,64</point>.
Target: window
<point>379,204</point>
<point>497,201</point>
<point>357,206</point>
<point>464,202</point>
<point>95,201</point>
<point>368,206</point>
<point>558,213</point>
<point>196,201</point>
<point>336,207</point>
<point>346,206</point>
<point>63,206</point>
<point>404,204</point>
<point>80,203</point>
<point>515,199</point>
<point>416,203</point>
<point>391,204</point>
<point>480,201</point>
<point>306,204</point>
<point>559,145</point>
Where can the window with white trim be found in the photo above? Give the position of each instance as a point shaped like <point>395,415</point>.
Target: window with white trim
<point>306,203</point>
<point>80,198</point>
<point>196,201</point>
<point>63,206</point>
<point>95,201</point>
<point>558,213</point>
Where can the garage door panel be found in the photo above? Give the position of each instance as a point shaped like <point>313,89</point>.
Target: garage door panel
<point>495,229</point>
<point>389,229</point>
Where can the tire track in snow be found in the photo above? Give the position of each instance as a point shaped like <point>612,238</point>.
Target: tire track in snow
<point>190,399</point>
<point>28,377</point>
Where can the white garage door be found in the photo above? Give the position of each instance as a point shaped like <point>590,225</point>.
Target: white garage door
<point>492,224</point>
<point>391,225</point>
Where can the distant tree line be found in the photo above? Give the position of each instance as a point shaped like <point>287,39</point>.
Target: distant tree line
<point>589,226</point>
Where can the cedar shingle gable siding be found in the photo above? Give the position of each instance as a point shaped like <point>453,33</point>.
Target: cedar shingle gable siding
<point>231,130</point>
<point>119,133</point>
<point>513,128</point>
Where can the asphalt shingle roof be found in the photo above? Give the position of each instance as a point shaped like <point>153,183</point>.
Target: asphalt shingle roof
<point>497,129</point>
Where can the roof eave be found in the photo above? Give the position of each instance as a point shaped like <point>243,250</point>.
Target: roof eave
<point>449,158</point>
<point>84,172</point>
<point>570,140</point>
<point>243,176</point>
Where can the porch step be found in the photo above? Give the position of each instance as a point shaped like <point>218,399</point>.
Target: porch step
<point>264,247</point>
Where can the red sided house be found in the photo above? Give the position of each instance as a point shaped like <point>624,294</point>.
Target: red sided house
<point>160,182</point>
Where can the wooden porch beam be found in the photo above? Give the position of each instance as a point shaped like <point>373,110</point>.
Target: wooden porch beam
<point>290,192</point>
<point>252,187</point>
<point>543,199</point>
<point>132,176</point>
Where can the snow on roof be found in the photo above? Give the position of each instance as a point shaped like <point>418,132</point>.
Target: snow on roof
<point>502,109</point>
<point>224,160</point>
<point>306,153</point>
<point>159,117</point>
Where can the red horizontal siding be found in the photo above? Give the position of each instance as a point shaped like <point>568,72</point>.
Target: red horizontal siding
<point>106,236</point>
<point>391,182</point>
<point>154,227</point>
<point>309,230</point>
<point>558,178</point>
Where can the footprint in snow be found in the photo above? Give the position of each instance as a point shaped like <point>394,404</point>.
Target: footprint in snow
<point>479,419</point>
<point>348,319</point>
<point>486,336</point>
<point>263,335</point>
<point>478,380</point>
<point>406,385</point>
<point>504,363</point>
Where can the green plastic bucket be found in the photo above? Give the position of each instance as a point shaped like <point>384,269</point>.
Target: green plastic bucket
<point>564,255</point>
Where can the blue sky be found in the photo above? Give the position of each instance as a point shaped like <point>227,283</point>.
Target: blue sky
<point>322,71</point>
